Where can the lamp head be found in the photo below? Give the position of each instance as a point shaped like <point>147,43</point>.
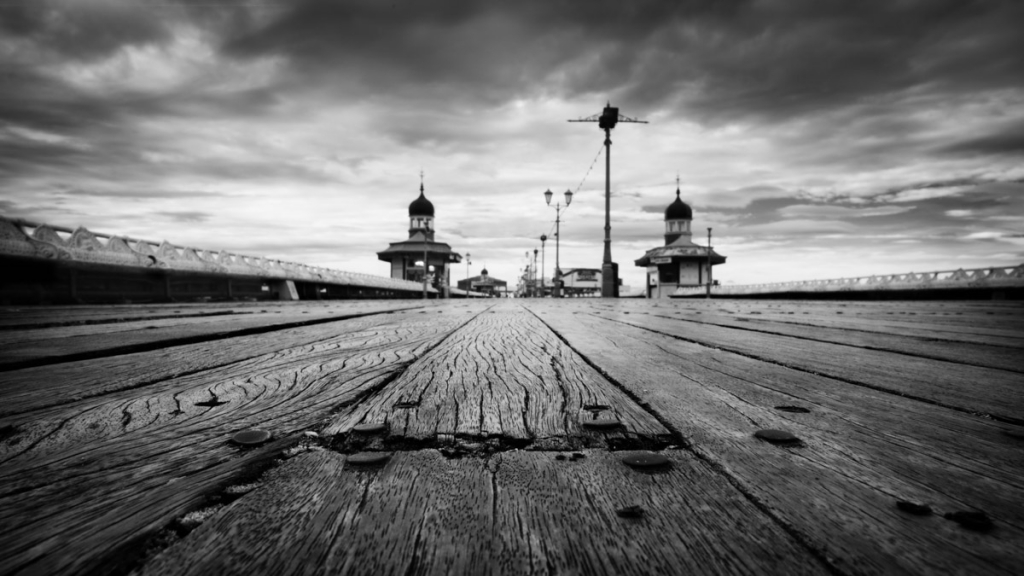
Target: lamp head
<point>568,197</point>
<point>543,238</point>
<point>547,196</point>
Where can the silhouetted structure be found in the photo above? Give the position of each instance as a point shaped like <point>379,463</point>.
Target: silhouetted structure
<point>420,254</point>
<point>679,263</point>
<point>51,265</point>
<point>606,121</point>
<point>484,283</point>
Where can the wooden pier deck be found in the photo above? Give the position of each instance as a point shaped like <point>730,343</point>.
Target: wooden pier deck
<point>505,425</point>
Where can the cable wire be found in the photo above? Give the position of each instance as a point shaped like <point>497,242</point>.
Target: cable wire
<point>578,187</point>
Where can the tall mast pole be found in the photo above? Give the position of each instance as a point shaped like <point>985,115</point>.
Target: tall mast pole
<point>558,230</point>
<point>607,120</point>
<point>708,295</point>
<point>608,282</point>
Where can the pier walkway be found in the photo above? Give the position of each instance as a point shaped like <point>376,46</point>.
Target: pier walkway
<point>513,437</point>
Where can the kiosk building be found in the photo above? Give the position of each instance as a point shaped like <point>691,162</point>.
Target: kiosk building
<point>421,255</point>
<point>680,263</point>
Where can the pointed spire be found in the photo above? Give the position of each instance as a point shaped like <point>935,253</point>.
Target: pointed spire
<point>677,185</point>
<point>421,180</point>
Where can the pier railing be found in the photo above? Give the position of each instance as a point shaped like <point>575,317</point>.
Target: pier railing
<point>25,239</point>
<point>976,278</point>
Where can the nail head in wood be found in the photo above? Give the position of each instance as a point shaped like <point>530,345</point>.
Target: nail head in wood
<point>914,508</point>
<point>794,409</point>
<point>645,460</point>
<point>972,520</point>
<point>602,423</point>
<point>251,437</point>
<point>776,436</point>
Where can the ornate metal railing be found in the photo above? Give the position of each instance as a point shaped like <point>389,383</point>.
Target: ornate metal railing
<point>994,277</point>
<point>42,241</point>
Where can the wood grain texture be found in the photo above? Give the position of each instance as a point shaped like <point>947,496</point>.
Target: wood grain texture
<point>970,388</point>
<point>504,374</point>
<point>34,347</point>
<point>46,386</point>
<point>94,468</point>
<point>862,451</point>
<point>96,454</point>
<point>963,321</point>
<point>27,317</point>
<point>921,343</point>
<point>515,512</point>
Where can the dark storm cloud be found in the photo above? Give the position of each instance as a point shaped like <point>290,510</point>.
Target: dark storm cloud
<point>43,103</point>
<point>1008,141</point>
<point>83,30</point>
<point>496,49</point>
<point>716,58</point>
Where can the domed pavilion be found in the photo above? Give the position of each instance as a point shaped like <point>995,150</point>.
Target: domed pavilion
<point>680,263</point>
<point>420,254</point>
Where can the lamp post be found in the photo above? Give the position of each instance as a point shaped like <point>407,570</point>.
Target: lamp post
<point>556,292</point>
<point>529,276</point>
<point>543,238</point>
<point>467,275</point>
<point>606,121</point>
<point>535,251</point>
<point>424,271</point>
<point>708,296</point>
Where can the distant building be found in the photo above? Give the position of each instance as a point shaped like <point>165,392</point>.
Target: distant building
<point>581,282</point>
<point>420,254</point>
<point>679,263</point>
<point>484,283</point>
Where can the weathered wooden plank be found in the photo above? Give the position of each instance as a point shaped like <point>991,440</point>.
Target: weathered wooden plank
<point>26,348</point>
<point>65,464</point>
<point>515,512</point>
<point>504,375</point>
<point>35,388</point>
<point>921,344</point>
<point>946,320</point>
<point>971,388</point>
<point>941,332</point>
<point>862,451</point>
<point>99,529</point>
<point>27,317</point>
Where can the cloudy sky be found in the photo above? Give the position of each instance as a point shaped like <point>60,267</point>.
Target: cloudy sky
<point>818,138</point>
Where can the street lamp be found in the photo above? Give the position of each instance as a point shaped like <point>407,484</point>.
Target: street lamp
<point>543,238</point>
<point>467,274</point>
<point>708,295</point>
<point>529,276</point>
<point>535,251</point>
<point>557,290</point>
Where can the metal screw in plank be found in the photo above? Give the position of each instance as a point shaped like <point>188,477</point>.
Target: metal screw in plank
<point>914,508</point>
<point>794,409</point>
<point>645,460</point>
<point>602,423</point>
<point>251,437</point>
<point>777,436</point>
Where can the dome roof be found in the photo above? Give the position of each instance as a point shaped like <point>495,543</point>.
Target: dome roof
<point>421,206</point>
<point>678,210</point>
<point>483,272</point>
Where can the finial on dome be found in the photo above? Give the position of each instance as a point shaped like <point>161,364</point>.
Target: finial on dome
<point>421,180</point>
